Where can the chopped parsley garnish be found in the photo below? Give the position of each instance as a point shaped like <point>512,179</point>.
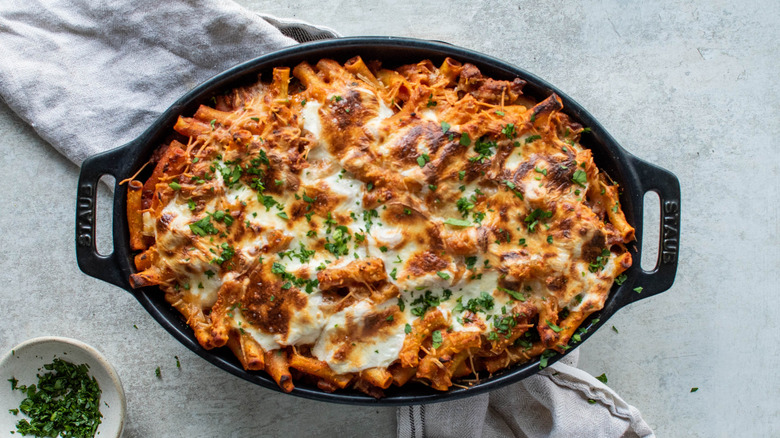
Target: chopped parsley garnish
<point>533,219</point>
<point>483,303</point>
<point>461,175</point>
<point>504,325</point>
<point>336,98</point>
<point>329,222</point>
<point>484,150</point>
<point>470,262</point>
<point>436,339</point>
<point>227,253</point>
<point>427,301</point>
<point>549,239</point>
<point>174,185</point>
<point>230,176</point>
<point>465,206</point>
<point>621,279</point>
<point>532,138</point>
<point>65,402</point>
<point>203,227</point>
<point>432,187</point>
<point>499,113</point>
<point>393,273</point>
<point>457,222</point>
<point>443,275</point>
<point>577,337</point>
<point>279,269</point>
<point>431,103</point>
<point>445,127</point>
<point>514,294</point>
<point>212,123</point>
<point>509,130</point>
<point>338,246</point>
<point>580,177</point>
<point>423,159</point>
<point>303,254</point>
<point>694,389</point>
<point>268,202</point>
<point>638,289</point>
<point>602,378</point>
<point>283,215</point>
<point>554,327</point>
<point>191,204</point>
<point>465,140</point>
<point>407,329</point>
<point>368,215</point>
<point>542,171</point>
<point>615,329</point>
<point>545,356</point>
<point>222,216</point>
<point>601,260</point>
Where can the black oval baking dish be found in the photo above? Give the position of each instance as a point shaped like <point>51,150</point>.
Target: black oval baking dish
<point>636,177</point>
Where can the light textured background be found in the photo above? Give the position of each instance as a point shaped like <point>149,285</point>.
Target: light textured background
<point>691,86</point>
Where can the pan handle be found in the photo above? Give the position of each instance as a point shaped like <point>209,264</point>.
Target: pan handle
<point>109,267</point>
<point>655,179</point>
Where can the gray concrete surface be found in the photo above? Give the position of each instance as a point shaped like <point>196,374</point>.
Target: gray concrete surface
<point>689,85</point>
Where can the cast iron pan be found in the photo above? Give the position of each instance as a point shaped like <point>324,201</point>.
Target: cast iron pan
<point>636,177</point>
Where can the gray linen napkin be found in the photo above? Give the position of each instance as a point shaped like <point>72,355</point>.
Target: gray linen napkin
<point>561,401</point>
<point>92,75</point>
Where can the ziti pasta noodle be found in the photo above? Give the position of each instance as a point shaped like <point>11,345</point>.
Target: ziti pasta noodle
<point>354,226</point>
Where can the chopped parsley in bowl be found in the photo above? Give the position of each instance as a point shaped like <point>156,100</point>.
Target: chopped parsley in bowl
<point>59,387</point>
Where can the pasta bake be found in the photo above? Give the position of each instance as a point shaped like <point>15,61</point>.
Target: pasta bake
<point>355,226</point>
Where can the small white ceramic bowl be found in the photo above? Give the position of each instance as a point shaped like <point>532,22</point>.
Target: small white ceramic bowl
<point>25,361</point>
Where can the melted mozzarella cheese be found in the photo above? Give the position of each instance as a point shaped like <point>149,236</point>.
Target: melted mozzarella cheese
<point>311,118</point>
<point>377,351</point>
<point>189,264</point>
<point>320,323</point>
<point>374,124</point>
